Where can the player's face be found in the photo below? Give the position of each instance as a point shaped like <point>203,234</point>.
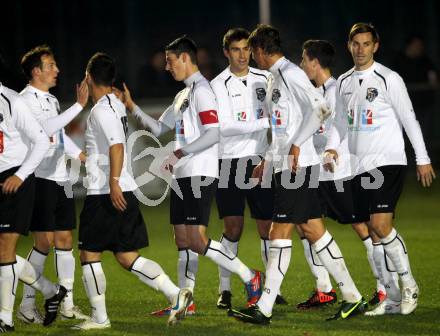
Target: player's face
<point>238,55</point>
<point>48,72</point>
<point>259,58</point>
<point>308,66</point>
<point>362,49</point>
<point>175,65</point>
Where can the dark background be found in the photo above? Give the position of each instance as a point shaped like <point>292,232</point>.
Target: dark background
<point>131,31</point>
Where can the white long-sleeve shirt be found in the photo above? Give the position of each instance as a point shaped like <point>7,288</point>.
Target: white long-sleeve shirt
<point>46,109</point>
<point>23,141</point>
<point>242,113</point>
<point>373,106</point>
<point>297,111</point>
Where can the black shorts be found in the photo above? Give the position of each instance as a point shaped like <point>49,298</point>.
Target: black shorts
<point>231,196</point>
<point>370,198</point>
<point>337,201</point>
<point>53,210</point>
<point>194,207</point>
<point>104,228</point>
<point>16,209</point>
<point>299,202</point>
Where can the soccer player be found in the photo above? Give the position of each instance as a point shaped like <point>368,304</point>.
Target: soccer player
<point>194,165</point>
<point>54,216</point>
<point>242,111</point>
<point>297,111</point>
<point>372,105</point>
<point>111,219</point>
<point>18,132</point>
<point>334,187</point>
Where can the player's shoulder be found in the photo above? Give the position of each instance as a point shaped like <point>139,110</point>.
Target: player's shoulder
<point>222,77</point>
<point>385,74</point>
<point>259,74</point>
<point>344,78</point>
<point>202,87</point>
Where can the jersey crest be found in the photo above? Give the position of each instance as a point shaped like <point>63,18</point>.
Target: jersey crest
<point>261,94</point>
<point>276,94</point>
<point>184,105</point>
<point>372,93</point>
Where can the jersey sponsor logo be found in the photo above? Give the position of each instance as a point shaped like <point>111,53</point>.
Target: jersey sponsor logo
<point>236,95</point>
<point>367,117</point>
<point>372,93</point>
<point>259,113</point>
<point>180,128</point>
<point>276,118</point>
<point>184,105</point>
<point>2,144</point>
<point>5,226</point>
<point>261,94</point>
<point>208,117</point>
<point>241,116</point>
<point>276,95</point>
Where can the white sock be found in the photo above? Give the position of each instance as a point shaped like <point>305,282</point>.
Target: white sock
<point>331,256</point>
<point>323,283</point>
<point>388,278</point>
<point>8,287</point>
<point>225,275</point>
<point>368,243</point>
<point>225,258</point>
<point>187,266</point>
<point>264,250</point>
<point>279,260</point>
<point>95,285</point>
<point>395,248</point>
<point>65,268</point>
<point>37,259</point>
<point>150,273</point>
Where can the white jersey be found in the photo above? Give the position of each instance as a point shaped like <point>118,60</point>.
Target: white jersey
<point>373,105</point>
<point>292,98</point>
<point>18,130</point>
<point>193,111</point>
<point>44,106</point>
<point>343,168</point>
<point>106,126</point>
<point>242,100</point>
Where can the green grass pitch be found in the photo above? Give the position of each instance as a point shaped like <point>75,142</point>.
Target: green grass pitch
<point>129,301</point>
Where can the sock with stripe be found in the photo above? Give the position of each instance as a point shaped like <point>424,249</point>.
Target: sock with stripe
<point>368,243</point>
<point>150,273</point>
<point>95,285</point>
<point>228,260</point>
<point>331,257</point>
<point>8,287</point>
<point>323,283</point>
<point>279,260</point>
<point>386,272</point>
<point>65,268</point>
<point>395,249</point>
<point>187,266</point>
<point>225,275</point>
<point>37,260</point>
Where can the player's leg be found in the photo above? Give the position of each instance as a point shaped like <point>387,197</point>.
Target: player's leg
<point>187,262</point>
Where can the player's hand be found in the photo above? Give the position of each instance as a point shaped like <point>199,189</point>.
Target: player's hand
<point>128,101</point>
<point>116,195</point>
<point>330,160</point>
<point>82,93</point>
<point>171,160</point>
<point>425,174</point>
<point>11,184</point>
<point>258,171</point>
<point>293,157</point>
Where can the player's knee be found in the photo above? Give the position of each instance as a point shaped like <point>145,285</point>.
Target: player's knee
<point>43,242</point>
<point>63,240</point>
<point>233,233</point>
<point>197,247</point>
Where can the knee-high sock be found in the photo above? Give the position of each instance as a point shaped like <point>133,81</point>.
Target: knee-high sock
<point>331,256</point>
<point>187,266</point>
<point>95,285</point>
<point>279,260</point>
<point>368,243</point>
<point>226,259</point>
<point>37,260</point>
<point>65,268</point>
<point>264,250</point>
<point>150,273</point>
<point>388,277</point>
<point>395,249</point>
<point>225,275</point>
<point>322,277</point>
<point>29,276</point>
<point>8,287</point>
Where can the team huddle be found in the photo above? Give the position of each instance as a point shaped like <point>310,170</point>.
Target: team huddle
<point>336,150</point>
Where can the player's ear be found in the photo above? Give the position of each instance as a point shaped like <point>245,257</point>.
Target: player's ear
<point>376,46</point>
<point>226,53</point>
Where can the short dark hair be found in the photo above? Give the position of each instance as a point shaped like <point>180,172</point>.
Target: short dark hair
<point>321,50</point>
<point>32,59</point>
<point>102,69</point>
<point>181,45</point>
<point>267,38</point>
<point>234,35</point>
<point>362,27</point>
